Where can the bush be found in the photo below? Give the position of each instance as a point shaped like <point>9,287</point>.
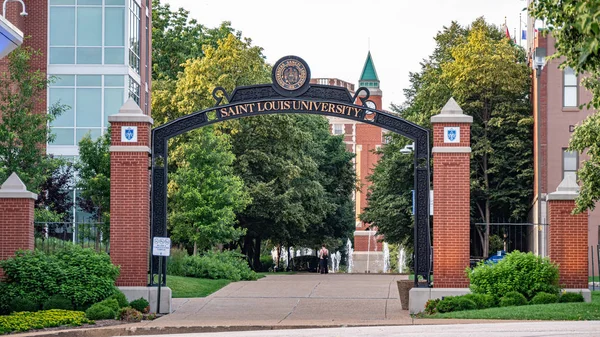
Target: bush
<point>111,303</point>
<point>82,275</point>
<point>120,297</point>
<point>223,265</point>
<point>482,301</point>
<point>176,262</point>
<point>140,305</point>
<point>570,298</point>
<point>521,272</point>
<point>513,298</point>
<point>20,304</point>
<point>266,263</point>
<point>455,303</point>
<point>100,311</point>
<point>431,306</point>
<point>129,314</point>
<point>23,321</point>
<point>544,298</point>
<point>58,302</point>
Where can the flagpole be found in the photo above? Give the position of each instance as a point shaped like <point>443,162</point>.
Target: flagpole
<point>520,31</point>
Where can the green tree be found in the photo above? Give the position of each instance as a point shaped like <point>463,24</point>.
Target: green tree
<point>93,168</point>
<point>23,128</point>
<point>205,193</point>
<point>576,28</point>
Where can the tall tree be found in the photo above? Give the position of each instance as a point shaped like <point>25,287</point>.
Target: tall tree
<point>575,26</point>
<point>205,193</point>
<point>56,193</point>
<point>23,128</point>
<point>93,168</point>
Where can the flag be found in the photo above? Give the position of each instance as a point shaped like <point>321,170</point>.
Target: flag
<point>524,35</point>
<point>506,31</point>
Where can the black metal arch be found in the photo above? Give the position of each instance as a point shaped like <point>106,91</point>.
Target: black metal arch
<point>317,99</point>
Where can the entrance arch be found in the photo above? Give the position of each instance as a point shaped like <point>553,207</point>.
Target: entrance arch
<point>291,92</point>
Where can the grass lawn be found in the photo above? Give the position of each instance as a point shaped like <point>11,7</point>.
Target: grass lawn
<point>558,311</point>
<point>193,287</point>
<point>594,279</point>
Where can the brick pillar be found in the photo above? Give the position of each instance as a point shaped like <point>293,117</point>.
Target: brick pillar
<point>16,218</point>
<point>130,194</point>
<point>451,196</point>
<point>568,233</point>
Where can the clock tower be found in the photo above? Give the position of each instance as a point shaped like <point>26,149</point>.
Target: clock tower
<point>368,250</point>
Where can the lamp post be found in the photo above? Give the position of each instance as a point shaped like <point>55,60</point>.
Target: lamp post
<point>10,36</point>
<point>539,62</point>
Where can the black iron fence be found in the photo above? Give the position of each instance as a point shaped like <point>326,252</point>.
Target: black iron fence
<point>55,235</point>
<point>508,236</point>
<point>594,268</point>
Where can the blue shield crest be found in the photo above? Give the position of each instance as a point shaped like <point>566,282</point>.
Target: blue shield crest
<point>452,135</point>
<point>129,134</point>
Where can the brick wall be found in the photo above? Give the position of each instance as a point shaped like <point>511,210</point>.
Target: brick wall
<point>361,243</point>
<point>568,244</point>
<point>16,224</point>
<point>451,221</point>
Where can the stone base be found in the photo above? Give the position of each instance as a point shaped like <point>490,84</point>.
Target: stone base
<point>151,295</point>
<point>418,297</point>
<point>586,293</point>
<point>367,262</point>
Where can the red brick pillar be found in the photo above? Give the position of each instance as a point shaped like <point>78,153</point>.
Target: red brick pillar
<point>451,196</point>
<point>568,233</point>
<point>16,218</point>
<point>130,193</point>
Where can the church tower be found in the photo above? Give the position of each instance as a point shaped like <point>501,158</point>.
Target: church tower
<point>368,252</point>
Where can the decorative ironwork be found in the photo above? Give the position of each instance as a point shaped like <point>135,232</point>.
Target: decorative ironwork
<point>292,93</point>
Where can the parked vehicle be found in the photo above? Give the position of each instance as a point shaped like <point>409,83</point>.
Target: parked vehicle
<point>496,257</point>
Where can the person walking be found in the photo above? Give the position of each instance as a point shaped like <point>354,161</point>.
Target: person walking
<point>323,255</point>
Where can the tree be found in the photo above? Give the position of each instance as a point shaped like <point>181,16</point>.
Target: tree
<point>23,127</point>
<point>93,168</point>
<point>205,193</point>
<point>56,193</point>
<point>574,25</point>
<point>492,83</point>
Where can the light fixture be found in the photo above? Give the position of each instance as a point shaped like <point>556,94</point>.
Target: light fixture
<point>10,36</point>
<point>408,149</point>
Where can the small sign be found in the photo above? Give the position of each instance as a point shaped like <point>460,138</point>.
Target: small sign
<point>161,246</point>
<point>452,134</point>
<point>129,134</point>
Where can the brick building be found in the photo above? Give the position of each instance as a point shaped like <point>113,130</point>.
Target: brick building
<point>362,140</point>
<point>556,96</point>
<point>98,51</point>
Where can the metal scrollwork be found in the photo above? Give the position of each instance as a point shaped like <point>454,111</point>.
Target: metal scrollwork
<point>218,99</point>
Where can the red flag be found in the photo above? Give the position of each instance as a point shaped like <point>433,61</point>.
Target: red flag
<point>506,31</point>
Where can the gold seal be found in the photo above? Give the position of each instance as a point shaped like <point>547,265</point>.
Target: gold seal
<point>290,74</point>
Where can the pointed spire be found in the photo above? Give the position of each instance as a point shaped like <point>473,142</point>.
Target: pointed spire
<point>369,73</point>
<point>13,187</point>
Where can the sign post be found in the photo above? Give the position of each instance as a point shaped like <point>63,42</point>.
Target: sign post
<point>161,247</point>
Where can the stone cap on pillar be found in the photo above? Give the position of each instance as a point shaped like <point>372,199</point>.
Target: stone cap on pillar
<point>130,112</point>
<point>451,113</point>
<point>566,190</point>
<point>13,187</point>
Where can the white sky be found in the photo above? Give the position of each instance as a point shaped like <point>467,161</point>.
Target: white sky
<point>332,36</point>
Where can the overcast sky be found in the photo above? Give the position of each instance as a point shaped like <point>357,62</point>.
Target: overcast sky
<point>333,36</point>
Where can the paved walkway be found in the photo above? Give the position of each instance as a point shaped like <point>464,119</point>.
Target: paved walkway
<point>296,300</point>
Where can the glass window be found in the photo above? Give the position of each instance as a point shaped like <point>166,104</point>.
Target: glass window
<point>115,2</point>
<point>114,56</point>
<point>62,55</point>
<point>134,90</point>
<point>114,80</point>
<point>94,134</point>
<point>113,100</point>
<point>134,36</point>
<point>89,2</point>
<point>570,163</point>
<point>89,80</point>
<point>63,136</point>
<point>62,30</point>
<point>63,81</point>
<point>65,96</point>
<point>62,2</point>
<point>569,88</point>
<point>89,55</point>
<point>89,105</point>
<point>114,26</point>
<point>338,129</point>
<point>89,26</point>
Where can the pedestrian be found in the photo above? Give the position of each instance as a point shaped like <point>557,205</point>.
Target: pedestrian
<point>323,255</point>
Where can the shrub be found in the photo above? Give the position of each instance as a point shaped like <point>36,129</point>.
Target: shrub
<point>512,298</point>
<point>82,275</point>
<point>129,314</point>
<point>482,301</point>
<point>100,311</point>
<point>140,305</point>
<point>112,304</point>
<point>544,298</point>
<point>58,302</point>
<point>120,297</point>
<point>431,306</point>
<point>223,265</point>
<point>176,262</point>
<point>23,321</point>
<point>455,303</point>
<point>20,304</point>
<point>266,263</point>
<point>521,272</point>
<point>570,297</point>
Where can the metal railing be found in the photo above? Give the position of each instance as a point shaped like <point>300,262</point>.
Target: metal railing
<point>508,236</point>
<point>50,236</point>
<point>594,268</point>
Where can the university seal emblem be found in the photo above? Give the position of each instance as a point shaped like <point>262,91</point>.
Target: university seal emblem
<point>291,76</point>
<point>452,135</point>
<point>129,133</point>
